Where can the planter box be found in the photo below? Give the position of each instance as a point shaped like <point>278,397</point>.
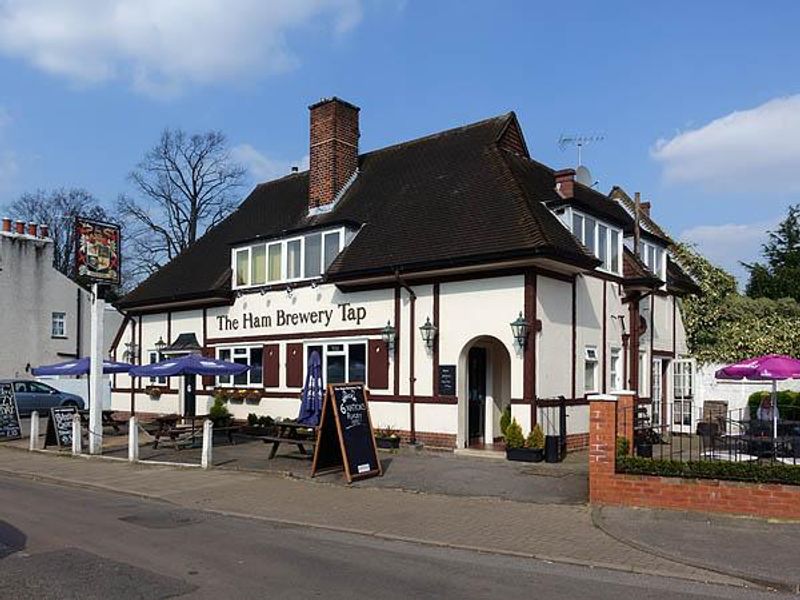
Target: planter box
<point>387,443</point>
<point>525,454</point>
<point>258,430</point>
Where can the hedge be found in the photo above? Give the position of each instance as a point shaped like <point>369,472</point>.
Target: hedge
<point>741,471</point>
<point>788,403</point>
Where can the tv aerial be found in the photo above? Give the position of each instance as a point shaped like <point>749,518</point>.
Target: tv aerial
<point>582,173</point>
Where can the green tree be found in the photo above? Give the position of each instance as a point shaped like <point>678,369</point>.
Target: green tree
<point>779,276</point>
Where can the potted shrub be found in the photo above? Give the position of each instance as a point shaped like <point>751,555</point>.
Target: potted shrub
<point>258,425</point>
<point>387,438</point>
<point>505,420</point>
<point>525,450</point>
<point>219,413</point>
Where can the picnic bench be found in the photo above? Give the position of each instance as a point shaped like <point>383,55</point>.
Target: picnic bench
<point>109,420</point>
<point>186,433</point>
<point>292,433</point>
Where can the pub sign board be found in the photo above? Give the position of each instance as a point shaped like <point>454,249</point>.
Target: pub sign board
<point>97,251</point>
<point>346,439</point>
<point>447,380</point>
<point>10,427</point>
<point>59,427</point>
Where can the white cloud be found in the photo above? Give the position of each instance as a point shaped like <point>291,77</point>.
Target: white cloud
<point>729,244</point>
<point>745,150</point>
<point>162,45</point>
<point>263,168</point>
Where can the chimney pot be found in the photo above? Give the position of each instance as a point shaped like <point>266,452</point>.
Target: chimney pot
<point>32,229</point>
<point>6,224</point>
<point>334,149</point>
<point>20,227</point>
<point>645,207</point>
<point>565,182</point>
<point>44,230</point>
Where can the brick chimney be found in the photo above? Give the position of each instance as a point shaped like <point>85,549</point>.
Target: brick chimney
<point>334,149</point>
<point>645,208</point>
<point>565,182</point>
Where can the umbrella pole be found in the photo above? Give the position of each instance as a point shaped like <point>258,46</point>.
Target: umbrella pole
<point>774,416</point>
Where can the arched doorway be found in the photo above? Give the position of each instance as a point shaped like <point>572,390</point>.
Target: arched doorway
<point>484,391</point>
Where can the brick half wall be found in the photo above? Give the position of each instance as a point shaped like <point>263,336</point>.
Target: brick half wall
<point>607,487</point>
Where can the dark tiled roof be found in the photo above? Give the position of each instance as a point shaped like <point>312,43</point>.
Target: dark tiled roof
<point>596,204</point>
<point>448,199</point>
<point>648,225</point>
<point>678,280</point>
<point>635,271</point>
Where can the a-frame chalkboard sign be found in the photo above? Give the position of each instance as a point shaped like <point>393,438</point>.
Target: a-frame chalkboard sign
<point>59,427</point>
<point>10,427</point>
<point>346,439</point>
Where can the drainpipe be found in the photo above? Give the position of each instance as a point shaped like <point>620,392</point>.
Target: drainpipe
<point>411,326</point>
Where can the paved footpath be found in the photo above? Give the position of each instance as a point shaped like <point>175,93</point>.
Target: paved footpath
<point>560,533</point>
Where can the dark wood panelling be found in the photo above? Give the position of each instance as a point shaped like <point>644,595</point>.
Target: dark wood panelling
<point>378,365</point>
<point>294,365</point>
<point>272,365</point>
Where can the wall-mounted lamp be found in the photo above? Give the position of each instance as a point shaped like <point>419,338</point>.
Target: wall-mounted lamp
<point>289,291</point>
<point>160,345</point>
<point>520,328</point>
<point>388,334</point>
<point>131,352</point>
<point>428,332</point>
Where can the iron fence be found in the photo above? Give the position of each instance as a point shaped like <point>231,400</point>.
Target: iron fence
<point>686,433</point>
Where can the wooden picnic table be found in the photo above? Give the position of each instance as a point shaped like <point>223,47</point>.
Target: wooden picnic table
<point>185,433</point>
<point>291,432</point>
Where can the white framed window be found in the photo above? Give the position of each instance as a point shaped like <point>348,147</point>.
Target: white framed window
<point>602,239</point>
<point>654,258</point>
<point>615,369</point>
<point>153,356</point>
<point>58,325</point>
<point>253,356</point>
<point>590,369</point>
<point>658,366</point>
<point>342,361</point>
<point>644,390</point>
<point>293,259</point>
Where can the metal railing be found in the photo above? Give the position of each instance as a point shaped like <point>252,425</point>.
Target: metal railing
<point>684,432</point>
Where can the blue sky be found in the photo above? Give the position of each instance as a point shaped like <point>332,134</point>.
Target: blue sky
<point>698,102</point>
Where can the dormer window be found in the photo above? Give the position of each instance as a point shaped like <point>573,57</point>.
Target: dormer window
<point>288,260</point>
<point>600,238</point>
<point>654,258</point>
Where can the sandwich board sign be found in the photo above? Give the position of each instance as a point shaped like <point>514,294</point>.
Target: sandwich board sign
<point>59,427</point>
<point>346,439</point>
<point>10,427</point>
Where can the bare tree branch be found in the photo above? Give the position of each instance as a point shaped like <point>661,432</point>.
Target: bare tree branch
<point>186,184</point>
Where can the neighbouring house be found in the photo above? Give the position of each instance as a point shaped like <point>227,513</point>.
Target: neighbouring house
<point>405,268</point>
<point>44,315</point>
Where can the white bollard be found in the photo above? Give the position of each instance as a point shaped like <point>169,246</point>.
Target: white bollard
<point>133,440</point>
<point>208,433</point>
<point>33,443</point>
<point>76,434</point>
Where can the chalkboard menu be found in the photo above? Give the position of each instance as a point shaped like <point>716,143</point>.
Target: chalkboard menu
<point>346,440</point>
<point>10,428</point>
<point>447,380</point>
<point>59,427</point>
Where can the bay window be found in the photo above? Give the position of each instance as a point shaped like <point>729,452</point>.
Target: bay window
<point>342,362</point>
<point>251,356</point>
<point>654,258</point>
<point>275,260</point>
<point>258,258</point>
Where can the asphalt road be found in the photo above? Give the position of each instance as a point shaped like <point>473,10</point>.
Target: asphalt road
<point>62,543</point>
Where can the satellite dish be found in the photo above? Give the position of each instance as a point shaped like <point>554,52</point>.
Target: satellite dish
<point>584,176</point>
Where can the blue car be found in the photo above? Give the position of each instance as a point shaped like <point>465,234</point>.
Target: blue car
<point>35,395</point>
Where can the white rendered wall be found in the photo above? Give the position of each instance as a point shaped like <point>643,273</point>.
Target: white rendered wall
<point>554,344</point>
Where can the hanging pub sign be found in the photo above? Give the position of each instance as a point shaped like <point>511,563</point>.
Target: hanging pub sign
<point>346,439</point>
<point>97,251</point>
<point>10,428</point>
<point>59,427</point>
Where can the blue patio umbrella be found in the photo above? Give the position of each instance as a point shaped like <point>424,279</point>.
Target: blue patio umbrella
<point>311,399</point>
<point>189,364</point>
<point>80,366</point>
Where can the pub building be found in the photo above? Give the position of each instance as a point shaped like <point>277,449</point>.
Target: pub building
<point>453,274</point>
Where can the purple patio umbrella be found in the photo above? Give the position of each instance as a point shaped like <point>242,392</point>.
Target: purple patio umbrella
<point>771,367</point>
<point>311,399</point>
<point>189,364</point>
<point>80,367</point>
